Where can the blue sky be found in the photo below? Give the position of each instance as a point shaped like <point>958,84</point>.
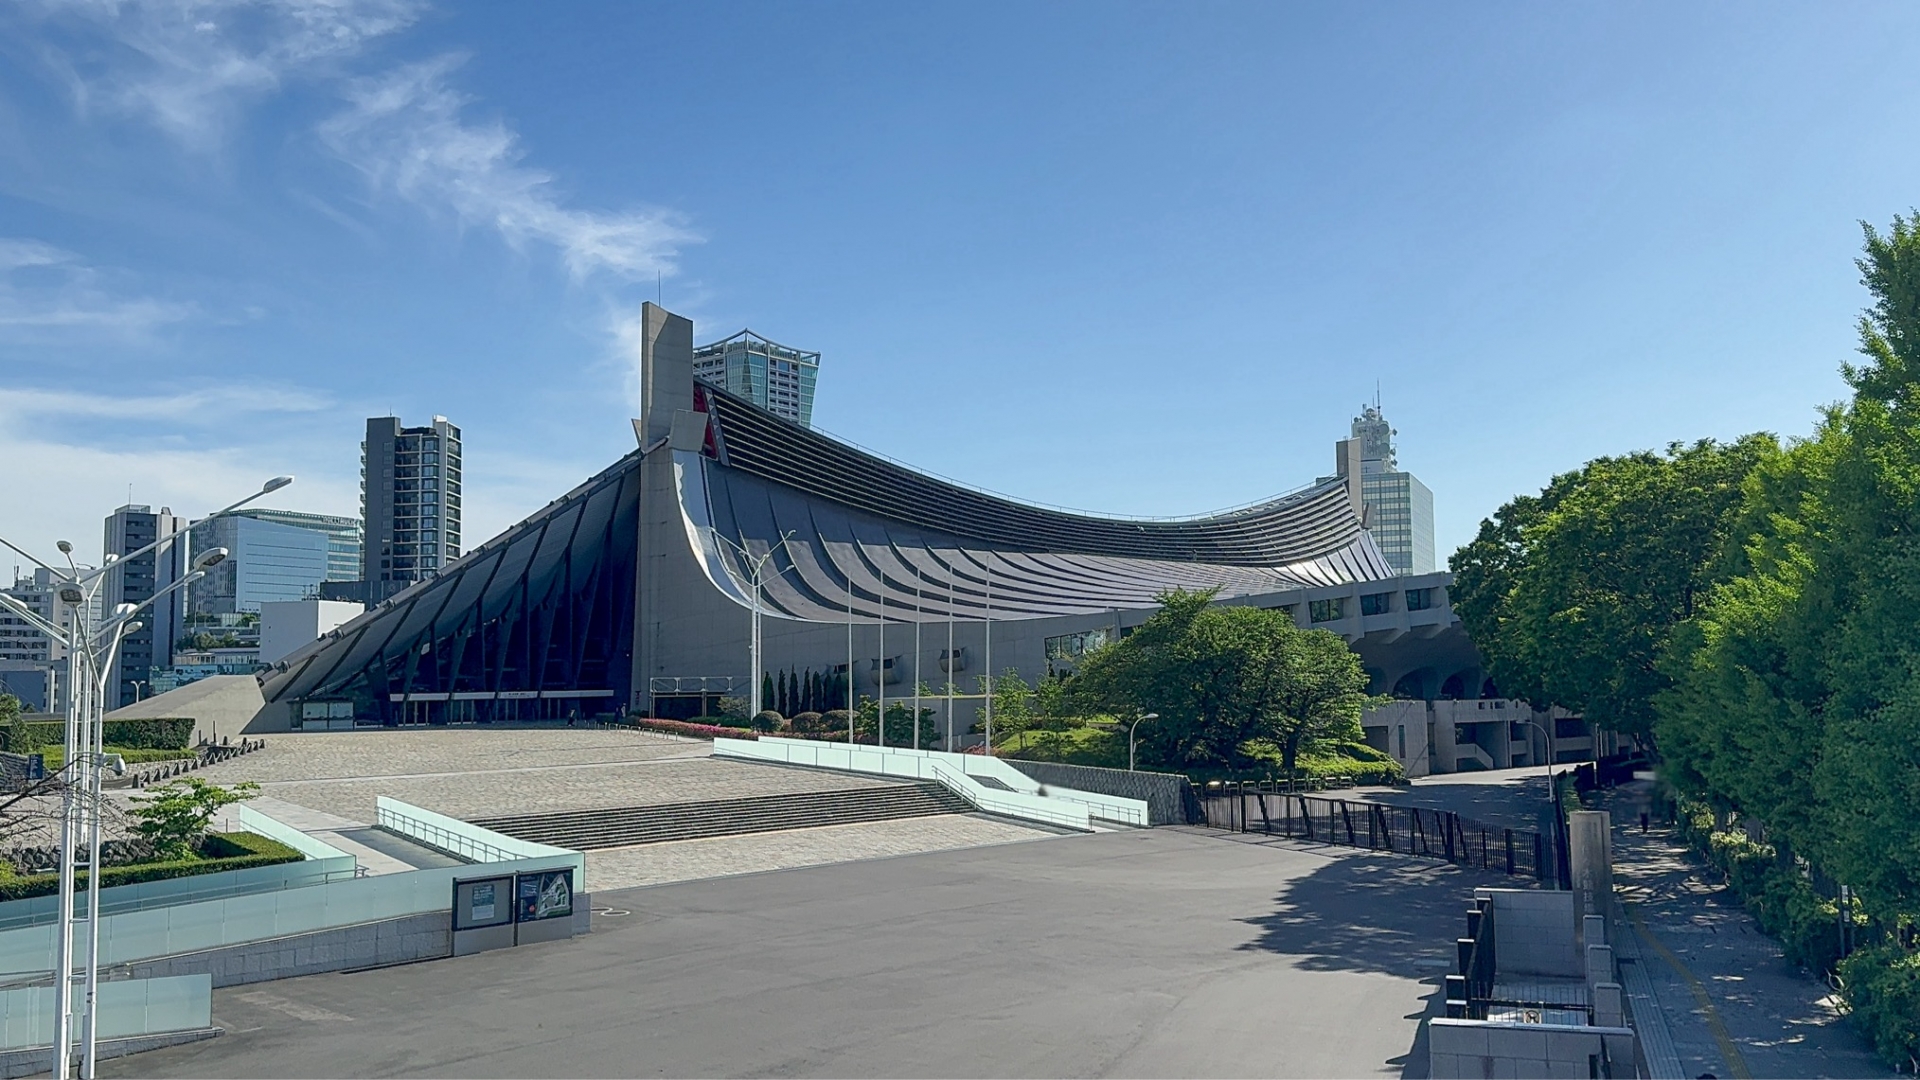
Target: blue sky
<point>1135,258</point>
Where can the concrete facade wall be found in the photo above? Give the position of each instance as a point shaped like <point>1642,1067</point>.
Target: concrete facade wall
<point>1536,932</point>
<point>286,625</point>
<point>221,705</point>
<point>1169,796</point>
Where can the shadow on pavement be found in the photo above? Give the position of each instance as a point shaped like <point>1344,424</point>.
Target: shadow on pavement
<point>1363,912</point>
<point>1369,913</point>
<point>1518,803</point>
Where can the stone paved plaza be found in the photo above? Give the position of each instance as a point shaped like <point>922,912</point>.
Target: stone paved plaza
<point>722,856</point>
<point>481,772</point>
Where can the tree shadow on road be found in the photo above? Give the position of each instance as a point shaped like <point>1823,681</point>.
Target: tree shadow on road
<point>1366,912</point>
<point>1382,914</point>
<point>1519,803</point>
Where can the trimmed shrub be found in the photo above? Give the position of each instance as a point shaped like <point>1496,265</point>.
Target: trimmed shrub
<point>221,851</point>
<point>1881,986</point>
<point>835,720</point>
<point>158,733</point>
<point>767,720</point>
<point>807,723</point>
<point>1362,773</point>
<point>56,755</point>
<point>1780,898</point>
<point>694,729</point>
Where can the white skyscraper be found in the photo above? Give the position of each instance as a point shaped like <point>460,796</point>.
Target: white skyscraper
<point>771,375</point>
<point>1395,505</point>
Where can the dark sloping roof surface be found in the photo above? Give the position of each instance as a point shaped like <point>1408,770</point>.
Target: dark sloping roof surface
<point>1278,532</point>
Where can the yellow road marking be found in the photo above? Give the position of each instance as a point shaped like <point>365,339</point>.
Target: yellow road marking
<point>1728,1051</point>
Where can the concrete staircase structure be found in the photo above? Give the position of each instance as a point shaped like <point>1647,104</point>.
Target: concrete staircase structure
<point>587,830</point>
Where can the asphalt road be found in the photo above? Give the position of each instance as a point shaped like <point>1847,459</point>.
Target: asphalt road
<point>1170,952</point>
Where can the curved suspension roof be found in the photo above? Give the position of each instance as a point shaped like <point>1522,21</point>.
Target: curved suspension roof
<point>834,562</point>
<point>1277,532</point>
<point>548,603</point>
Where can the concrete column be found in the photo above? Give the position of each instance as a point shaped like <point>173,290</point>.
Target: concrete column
<point>1593,930</point>
<point>1599,965</point>
<point>1590,854</point>
<point>1609,1010</point>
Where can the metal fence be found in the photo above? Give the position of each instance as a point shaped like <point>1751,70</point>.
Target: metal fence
<point>1265,807</point>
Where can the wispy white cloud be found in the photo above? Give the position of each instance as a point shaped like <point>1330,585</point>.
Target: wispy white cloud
<point>218,405</point>
<point>62,490</point>
<point>190,65</point>
<point>68,464</point>
<point>404,131</point>
<point>45,290</point>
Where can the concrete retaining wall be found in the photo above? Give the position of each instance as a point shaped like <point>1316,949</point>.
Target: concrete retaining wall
<point>1169,796</point>
<point>426,936</point>
<point>39,1060</point>
<point>375,944</point>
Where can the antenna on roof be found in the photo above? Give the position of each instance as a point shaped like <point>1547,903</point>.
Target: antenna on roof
<point>1376,393</point>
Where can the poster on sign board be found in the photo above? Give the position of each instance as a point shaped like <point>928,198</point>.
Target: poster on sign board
<point>543,894</point>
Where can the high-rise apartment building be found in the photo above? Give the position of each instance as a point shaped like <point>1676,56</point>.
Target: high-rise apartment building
<point>775,377</point>
<point>1395,505</point>
<point>133,581</point>
<point>18,639</point>
<point>342,533</point>
<point>409,502</point>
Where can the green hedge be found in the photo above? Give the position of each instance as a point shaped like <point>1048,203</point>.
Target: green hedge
<point>56,755</point>
<point>1363,773</point>
<point>1882,990</point>
<point>222,851</point>
<point>1780,898</point>
<point>159,733</point>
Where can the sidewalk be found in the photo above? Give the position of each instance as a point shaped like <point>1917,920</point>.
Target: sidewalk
<point>1733,1005</point>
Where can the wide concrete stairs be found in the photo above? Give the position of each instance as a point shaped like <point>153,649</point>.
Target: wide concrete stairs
<point>585,830</point>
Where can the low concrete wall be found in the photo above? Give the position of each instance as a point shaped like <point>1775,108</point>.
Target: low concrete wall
<point>427,936</point>
<point>1480,1050</point>
<point>39,1060</point>
<point>1169,796</point>
<point>1536,933</point>
<point>409,938</point>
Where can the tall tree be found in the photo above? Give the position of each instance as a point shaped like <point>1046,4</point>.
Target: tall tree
<point>1221,677</point>
<point>1572,595</point>
<point>1796,698</point>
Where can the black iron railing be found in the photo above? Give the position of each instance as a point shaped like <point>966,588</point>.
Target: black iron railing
<point>1266,807</point>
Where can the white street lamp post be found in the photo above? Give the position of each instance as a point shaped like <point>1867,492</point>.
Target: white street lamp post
<point>1553,802</point>
<point>755,568</point>
<point>1131,728</point>
<point>80,793</point>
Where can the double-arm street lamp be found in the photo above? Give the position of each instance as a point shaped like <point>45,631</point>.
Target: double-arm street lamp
<point>91,650</point>
<point>756,569</point>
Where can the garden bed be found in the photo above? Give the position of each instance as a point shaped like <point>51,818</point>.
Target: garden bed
<point>217,852</point>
